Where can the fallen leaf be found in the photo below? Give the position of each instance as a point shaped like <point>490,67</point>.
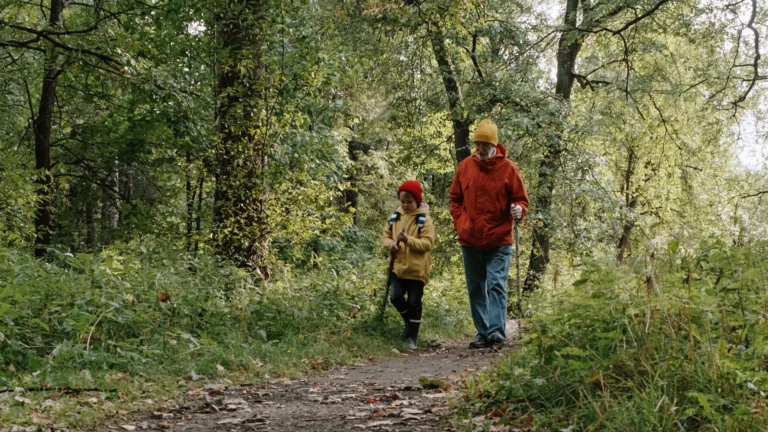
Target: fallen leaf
<point>38,418</point>
<point>412,417</point>
<point>128,427</point>
<point>411,411</point>
<point>235,420</point>
<point>220,368</point>
<point>235,401</point>
<point>439,395</point>
<point>163,297</point>
<point>22,399</point>
<point>528,422</point>
<point>390,396</point>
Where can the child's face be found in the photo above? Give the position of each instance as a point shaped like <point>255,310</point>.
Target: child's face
<point>407,202</point>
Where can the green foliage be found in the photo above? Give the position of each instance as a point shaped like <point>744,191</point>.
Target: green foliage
<point>150,315</point>
<point>110,311</point>
<point>673,343</point>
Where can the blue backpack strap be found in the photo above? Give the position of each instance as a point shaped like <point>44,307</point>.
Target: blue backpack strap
<point>392,219</point>
<point>421,219</point>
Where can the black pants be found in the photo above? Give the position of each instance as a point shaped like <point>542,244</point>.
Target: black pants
<point>410,308</point>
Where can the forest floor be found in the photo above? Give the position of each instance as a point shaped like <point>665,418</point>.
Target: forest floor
<point>383,394</point>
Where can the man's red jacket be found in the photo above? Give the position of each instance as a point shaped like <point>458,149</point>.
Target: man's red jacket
<point>481,195</point>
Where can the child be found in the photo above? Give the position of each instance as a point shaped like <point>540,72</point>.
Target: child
<point>409,235</point>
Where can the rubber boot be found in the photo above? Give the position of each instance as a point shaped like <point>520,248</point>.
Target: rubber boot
<point>407,328</point>
<point>413,335</point>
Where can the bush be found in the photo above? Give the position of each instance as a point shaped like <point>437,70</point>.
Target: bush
<point>146,309</point>
<point>677,342</point>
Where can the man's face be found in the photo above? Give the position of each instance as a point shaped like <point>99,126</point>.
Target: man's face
<point>483,149</point>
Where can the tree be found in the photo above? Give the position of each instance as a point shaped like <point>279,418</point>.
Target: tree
<point>241,149</point>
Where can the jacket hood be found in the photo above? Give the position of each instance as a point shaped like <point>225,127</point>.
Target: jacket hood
<point>423,208</point>
<point>491,162</point>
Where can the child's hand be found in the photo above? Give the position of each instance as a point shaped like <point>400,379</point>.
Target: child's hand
<point>394,247</point>
<point>402,237</point>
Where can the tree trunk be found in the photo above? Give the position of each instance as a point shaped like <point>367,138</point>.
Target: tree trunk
<point>90,224</point>
<point>42,128</point>
<point>354,148</point>
<point>190,198</point>
<point>630,201</point>
<point>240,219</point>
<point>455,100</point>
<point>110,205</point>
<point>568,49</point>
<point>198,216</point>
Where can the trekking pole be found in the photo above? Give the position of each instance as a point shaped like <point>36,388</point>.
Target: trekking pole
<point>517,265</point>
<point>389,281</point>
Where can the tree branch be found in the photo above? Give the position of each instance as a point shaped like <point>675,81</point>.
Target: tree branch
<point>473,55</point>
<point>756,59</point>
<point>628,24</point>
<point>49,36</point>
<point>756,194</point>
<point>585,82</point>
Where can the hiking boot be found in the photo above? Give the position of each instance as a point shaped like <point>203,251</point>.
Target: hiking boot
<point>479,342</point>
<point>410,343</point>
<point>413,335</point>
<point>407,327</point>
<point>497,339</point>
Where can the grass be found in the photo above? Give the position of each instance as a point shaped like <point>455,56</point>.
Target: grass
<point>676,346</point>
<point>141,327</point>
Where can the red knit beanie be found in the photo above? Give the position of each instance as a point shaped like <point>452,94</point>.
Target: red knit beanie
<point>412,187</point>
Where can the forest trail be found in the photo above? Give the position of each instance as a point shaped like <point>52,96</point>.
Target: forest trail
<point>383,394</point>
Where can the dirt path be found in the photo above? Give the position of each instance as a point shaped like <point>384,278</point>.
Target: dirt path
<point>382,395</point>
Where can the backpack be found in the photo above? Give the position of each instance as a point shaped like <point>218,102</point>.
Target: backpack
<point>421,219</point>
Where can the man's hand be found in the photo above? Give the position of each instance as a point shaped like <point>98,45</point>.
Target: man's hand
<point>394,247</point>
<point>516,211</point>
<point>402,237</point>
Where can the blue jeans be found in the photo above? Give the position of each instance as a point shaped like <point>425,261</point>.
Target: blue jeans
<point>486,271</point>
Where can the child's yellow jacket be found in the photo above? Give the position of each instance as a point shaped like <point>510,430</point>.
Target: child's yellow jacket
<point>412,260</point>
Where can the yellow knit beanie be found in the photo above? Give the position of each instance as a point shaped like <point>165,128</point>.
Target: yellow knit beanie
<point>487,131</point>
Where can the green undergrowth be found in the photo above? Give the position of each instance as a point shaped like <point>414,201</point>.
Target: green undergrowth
<point>671,343</point>
<point>140,323</point>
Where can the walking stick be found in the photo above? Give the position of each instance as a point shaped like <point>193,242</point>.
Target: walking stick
<point>517,265</point>
<point>389,281</point>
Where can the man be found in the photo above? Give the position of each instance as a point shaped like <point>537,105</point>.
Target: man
<point>486,195</point>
